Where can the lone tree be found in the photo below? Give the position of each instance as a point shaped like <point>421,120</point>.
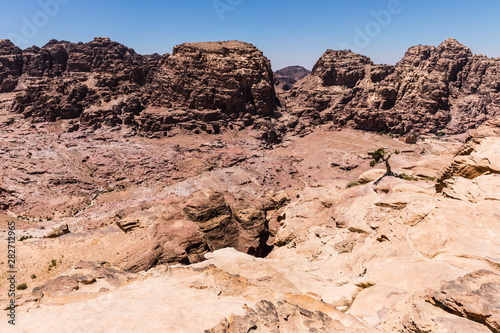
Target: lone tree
<point>383,154</point>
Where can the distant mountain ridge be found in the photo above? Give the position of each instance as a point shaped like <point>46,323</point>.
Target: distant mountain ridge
<point>286,77</point>
<point>445,88</point>
<point>208,87</point>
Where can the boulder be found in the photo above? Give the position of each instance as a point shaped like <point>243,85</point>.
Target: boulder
<point>475,296</point>
<point>280,317</point>
<point>57,231</point>
<point>371,176</point>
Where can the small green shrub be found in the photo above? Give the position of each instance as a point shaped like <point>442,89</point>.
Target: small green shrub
<point>365,285</point>
<point>352,184</point>
<point>373,163</point>
<point>378,154</point>
<point>25,237</point>
<point>33,276</point>
<point>22,286</point>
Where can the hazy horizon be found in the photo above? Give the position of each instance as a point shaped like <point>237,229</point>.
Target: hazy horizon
<point>288,32</point>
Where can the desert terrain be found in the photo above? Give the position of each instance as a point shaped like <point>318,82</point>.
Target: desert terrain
<point>199,191</point>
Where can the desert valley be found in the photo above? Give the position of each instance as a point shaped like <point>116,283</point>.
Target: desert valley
<point>199,191</point>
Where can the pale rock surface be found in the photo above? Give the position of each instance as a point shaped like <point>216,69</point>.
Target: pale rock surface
<point>371,176</point>
<point>371,258</point>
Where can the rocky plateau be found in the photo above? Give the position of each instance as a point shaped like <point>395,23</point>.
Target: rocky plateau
<point>199,191</point>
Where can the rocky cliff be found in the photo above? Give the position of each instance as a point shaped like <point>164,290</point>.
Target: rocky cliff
<point>286,77</point>
<point>432,89</point>
<point>200,86</point>
<point>208,87</point>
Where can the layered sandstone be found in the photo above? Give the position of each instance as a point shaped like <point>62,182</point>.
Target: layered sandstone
<point>386,257</point>
<point>432,89</point>
<point>224,233</point>
<point>286,77</point>
<point>209,87</point>
<point>199,87</point>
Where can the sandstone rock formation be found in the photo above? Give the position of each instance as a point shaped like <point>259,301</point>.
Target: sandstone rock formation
<point>208,87</point>
<point>369,258</point>
<point>200,86</point>
<point>432,89</point>
<point>11,64</point>
<point>286,77</point>
<point>283,317</point>
<point>475,158</point>
<point>210,229</point>
<point>84,278</point>
<point>474,296</point>
<point>63,80</point>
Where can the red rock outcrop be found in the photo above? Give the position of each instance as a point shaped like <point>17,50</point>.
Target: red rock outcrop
<point>63,80</point>
<point>206,87</point>
<point>280,317</point>
<point>205,222</point>
<point>444,88</point>
<point>286,77</point>
<point>11,64</point>
<point>233,77</point>
<point>201,86</point>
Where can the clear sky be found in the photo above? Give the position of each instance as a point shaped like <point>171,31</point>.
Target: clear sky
<point>289,32</point>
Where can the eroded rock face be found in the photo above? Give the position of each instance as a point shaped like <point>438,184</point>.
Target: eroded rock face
<point>144,204</point>
<point>477,157</point>
<point>233,77</point>
<point>200,87</point>
<point>11,65</point>
<point>242,226</point>
<point>282,317</point>
<point>207,87</point>
<point>65,80</point>
<point>286,77</point>
<point>206,222</point>
<point>474,296</point>
<point>444,88</point>
<point>336,248</point>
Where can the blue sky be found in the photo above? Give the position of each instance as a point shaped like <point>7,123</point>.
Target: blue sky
<point>289,32</point>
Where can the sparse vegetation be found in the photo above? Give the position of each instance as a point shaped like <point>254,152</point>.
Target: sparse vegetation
<point>53,263</point>
<point>33,276</point>
<point>382,154</point>
<point>409,177</point>
<point>352,184</point>
<point>25,237</point>
<point>365,285</point>
<point>22,286</point>
<point>415,178</point>
<point>378,154</point>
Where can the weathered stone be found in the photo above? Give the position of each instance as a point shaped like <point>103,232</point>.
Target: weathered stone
<point>432,89</point>
<point>475,296</point>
